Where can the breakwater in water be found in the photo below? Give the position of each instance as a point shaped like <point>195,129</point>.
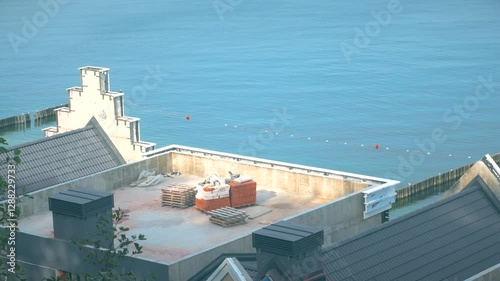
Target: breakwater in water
<point>433,185</point>
<point>26,120</point>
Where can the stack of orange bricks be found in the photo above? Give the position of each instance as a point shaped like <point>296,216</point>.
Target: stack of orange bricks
<point>212,204</point>
<point>243,194</point>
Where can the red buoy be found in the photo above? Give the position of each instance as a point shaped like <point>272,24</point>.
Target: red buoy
<point>376,146</point>
<point>187,117</point>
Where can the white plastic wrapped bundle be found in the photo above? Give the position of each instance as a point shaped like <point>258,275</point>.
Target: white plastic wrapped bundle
<point>208,192</point>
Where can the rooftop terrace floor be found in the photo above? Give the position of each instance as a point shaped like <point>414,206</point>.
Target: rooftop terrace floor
<point>174,233</point>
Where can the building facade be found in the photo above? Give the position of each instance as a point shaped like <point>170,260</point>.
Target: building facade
<point>95,99</point>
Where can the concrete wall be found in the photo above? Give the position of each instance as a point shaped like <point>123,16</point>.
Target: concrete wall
<point>340,219</point>
<point>272,178</point>
<point>491,274</point>
<point>31,271</point>
<point>49,253</point>
<point>105,181</point>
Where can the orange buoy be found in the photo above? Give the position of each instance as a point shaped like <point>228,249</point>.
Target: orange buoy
<point>187,117</point>
<point>376,146</point>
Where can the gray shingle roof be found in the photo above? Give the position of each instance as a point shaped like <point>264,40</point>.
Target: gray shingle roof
<point>250,267</point>
<point>452,239</point>
<point>64,157</point>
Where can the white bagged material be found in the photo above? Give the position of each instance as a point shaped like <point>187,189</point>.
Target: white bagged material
<point>242,179</point>
<point>144,176</point>
<point>215,192</point>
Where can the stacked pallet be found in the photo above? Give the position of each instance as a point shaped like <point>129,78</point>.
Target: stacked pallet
<point>227,216</point>
<point>243,193</point>
<point>178,196</point>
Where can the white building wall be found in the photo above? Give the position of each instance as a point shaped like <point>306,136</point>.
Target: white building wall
<point>94,99</point>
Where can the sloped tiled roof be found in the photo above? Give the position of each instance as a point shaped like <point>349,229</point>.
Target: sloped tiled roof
<point>452,239</point>
<point>250,267</point>
<point>63,157</point>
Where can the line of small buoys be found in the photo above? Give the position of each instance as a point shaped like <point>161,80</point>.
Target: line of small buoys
<point>375,146</point>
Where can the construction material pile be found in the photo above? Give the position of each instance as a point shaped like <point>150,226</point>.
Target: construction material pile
<point>178,196</point>
<point>213,193</point>
<point>227,216</point>
<point>243,192</point>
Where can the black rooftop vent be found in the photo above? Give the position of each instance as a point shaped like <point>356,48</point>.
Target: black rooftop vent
<point>287,238</point>
<point>80,203</point>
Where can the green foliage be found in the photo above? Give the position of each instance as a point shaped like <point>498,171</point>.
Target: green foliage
<point>6,158</point>
<point>6,214</point>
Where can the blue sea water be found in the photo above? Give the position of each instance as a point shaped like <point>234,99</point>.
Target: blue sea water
<point>235,66</point>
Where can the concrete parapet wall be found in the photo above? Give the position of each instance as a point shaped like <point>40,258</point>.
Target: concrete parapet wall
<point>272,178</point>
<point>340,219</point>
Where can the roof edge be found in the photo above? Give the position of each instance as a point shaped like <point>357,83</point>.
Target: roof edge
<point>93,122</point>
<point>478,180</point>
<point>232,267</point>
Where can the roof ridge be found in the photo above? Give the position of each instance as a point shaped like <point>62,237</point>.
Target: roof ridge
<point>102,134</point>
<point>206,271</point>
<point>486,190</point>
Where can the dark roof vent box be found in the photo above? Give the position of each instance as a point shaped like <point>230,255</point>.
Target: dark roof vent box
<point>287,238</point>
<point>80,203</point>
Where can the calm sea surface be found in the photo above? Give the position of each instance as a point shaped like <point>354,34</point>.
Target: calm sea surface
<point>310,82</point>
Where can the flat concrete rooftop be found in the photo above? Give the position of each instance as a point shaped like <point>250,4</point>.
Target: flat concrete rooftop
<point>175,233</point>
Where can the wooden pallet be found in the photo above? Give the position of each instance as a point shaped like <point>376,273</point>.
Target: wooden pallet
<point>227,216</point>
<point>178,196</point>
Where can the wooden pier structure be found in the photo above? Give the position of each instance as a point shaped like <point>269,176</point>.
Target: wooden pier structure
<point>433,185</point>
<point>26,119</point>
